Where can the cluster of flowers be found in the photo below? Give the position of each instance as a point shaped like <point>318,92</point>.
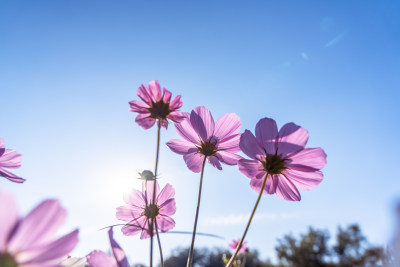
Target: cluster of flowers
<point>278,163</point>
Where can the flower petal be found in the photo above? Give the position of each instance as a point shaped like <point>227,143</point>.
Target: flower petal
<point>181,147</point>
<point>168,208</point>
<point>128,213</point>
<point>10,159</point>
<point>292,138</point>
<point>117,251</point>
<point>150,190</point>
<point>135,226</point>
<point>202,122</point>
<point>135,198</point>
<point>164,124</point>
<point>228,158</point>
<point>144,94</point>
<point>230,144</point>
<point>215,162</point>
<point>270,185</point>
<point>194,161</point>
<point>155,90</point>
<point>250,146</point>
<point>98,258</point>
<point>10,176</point>
<point>166,95</point>
<point>176,103</point>
<point>186,131</point>
<point>250,168</point>
<point>227,125</point>
<point>8,217</point>
<point>39,226</point>
<point>136,106</point>
<point>304,180</point>
<point>266,134</point>
<point>308,157</point>
<point>145,121</point>
<point>2,143</point>
<point>165,223</point>
<point>286,190</point>
<point>176,116</point>
<point>167,193</point>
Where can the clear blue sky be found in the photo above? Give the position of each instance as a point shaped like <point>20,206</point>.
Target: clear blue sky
<point>69,68</point>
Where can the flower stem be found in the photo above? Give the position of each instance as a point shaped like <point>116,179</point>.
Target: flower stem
<point>154,190</point>
<point>159,243</point>
<point>232,259</point>
<point>190,259</point>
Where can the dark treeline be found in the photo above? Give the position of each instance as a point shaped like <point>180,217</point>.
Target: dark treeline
<point>312,249</point>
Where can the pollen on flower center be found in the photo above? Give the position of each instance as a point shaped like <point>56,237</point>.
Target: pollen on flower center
<point>207,149</point>
<point>7,261</point>
<point>151,211</point>
<point>159,110</point>
<point>274,164</point>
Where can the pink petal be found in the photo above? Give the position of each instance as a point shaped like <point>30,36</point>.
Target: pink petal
<point>39,226</point>
<point>2,150</point>
<point>176,103</point>
<point>118,253</point>
<point>292,138</point>
<point>98,258</point>
<point>146,232</point>
<point>129,213</point>
<point>166,95</point>
<point>8,217</point>
<point>227,125</point>
<point>144,94</point>
<point>304,180</point>
<point>155,90</point>
<point>168,208</point>
<point>145,121</point>
<point>266,134</point>
<point>10,176</point>
<point>250,168</point>
<point>167,193</point>
<point>150,190</point>
<point>164,124</point>
<point>10,159</point>
<point>202,122</point>
<point>186,131</point>
<point>181,147</point>
<point>250,146</point>
<point>270,185</point>
<point>52,251</point>
<point>135,198</point>
<point>230,144</point>
<point>135,226</point>
<point>214,162</point>
<point>228,158</point>
<point>136,106</point>
<point>165,223</point>
<point>286,190</point>
<point>176,116</point>
<point>194,161</point>
<point>308,157</point>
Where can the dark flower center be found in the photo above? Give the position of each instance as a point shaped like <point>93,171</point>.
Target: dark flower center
<point>151,211</point>
<point>208,148</point>
<point>7,261</point>
<point>274,164</point>
<point>159,110</point>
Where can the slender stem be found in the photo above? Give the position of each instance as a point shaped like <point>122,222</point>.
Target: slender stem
<point>229,264</point>
<point>159,243</point>
<point>190,259</point>
<point>151,249</point>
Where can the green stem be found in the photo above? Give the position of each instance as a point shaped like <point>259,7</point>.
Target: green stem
<point>229,264</point>
<point>159,243</point>
<point>190,259</point>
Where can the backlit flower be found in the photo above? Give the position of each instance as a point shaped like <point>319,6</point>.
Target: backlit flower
<point>283,156</point>
<point>29,241</point>
<point>141,210</point>
<point>235,243</point>
<point>98,258</point>
<point>9,159</point>
<point>203,138</point>
<point>156,106</point>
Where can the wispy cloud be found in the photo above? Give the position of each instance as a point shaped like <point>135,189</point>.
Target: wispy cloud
<point>232,219</point>
<point>304,56</point>
<point>337,39</point>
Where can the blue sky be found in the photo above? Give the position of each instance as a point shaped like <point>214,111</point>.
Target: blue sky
<point>69,68</point>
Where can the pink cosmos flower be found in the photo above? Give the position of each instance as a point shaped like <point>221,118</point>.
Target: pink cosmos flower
<point>9,159</point>
<point>203,138</point>
<point>235,243</point>
<point>29,241</point>
<point>290,166</point>
<point>98,258</point>
<point>156,106</point>
<point>141,210</point>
